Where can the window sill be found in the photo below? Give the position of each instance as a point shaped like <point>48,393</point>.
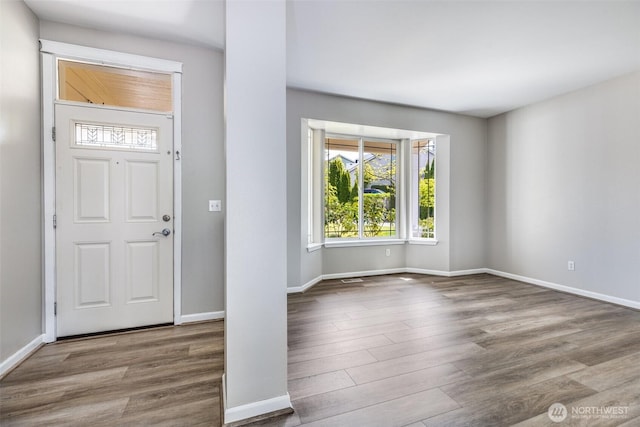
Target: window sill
<point>355,243</point>
<point>312,247</point>
<point>424,242</point>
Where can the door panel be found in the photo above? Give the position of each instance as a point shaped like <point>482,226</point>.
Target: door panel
<point>92,281</point>
<point>142,271</point>
<point>92,195</point>
<point>114,182</point>
<point>142,191</point>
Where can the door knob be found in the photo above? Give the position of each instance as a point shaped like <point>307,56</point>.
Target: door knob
<point>164,232</point>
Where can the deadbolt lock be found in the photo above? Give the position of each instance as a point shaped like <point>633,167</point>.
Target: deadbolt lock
<point>166,218</point>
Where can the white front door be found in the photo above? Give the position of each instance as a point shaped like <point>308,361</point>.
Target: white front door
<point>114,198</point>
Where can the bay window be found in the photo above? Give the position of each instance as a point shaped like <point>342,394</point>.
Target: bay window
<point>368,184</point>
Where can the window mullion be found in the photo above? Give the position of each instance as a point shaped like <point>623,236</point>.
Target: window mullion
<point>317,151</point>
<point>403,175</point>
<point>360,188</point>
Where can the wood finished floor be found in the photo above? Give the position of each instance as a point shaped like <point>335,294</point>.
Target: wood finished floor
<point>168,376</point>
<point>398,350</point>
<point>414,350</point>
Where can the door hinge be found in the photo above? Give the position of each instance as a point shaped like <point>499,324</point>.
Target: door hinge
<point>55,221</point>
<point>55,308</point>
<point>53,133</point>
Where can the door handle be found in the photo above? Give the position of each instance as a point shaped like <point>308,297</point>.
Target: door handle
<point>164,232</point>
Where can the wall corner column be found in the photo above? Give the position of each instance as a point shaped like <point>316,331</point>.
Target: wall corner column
<point>256,210</point>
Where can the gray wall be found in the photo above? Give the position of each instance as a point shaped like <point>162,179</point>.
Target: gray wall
<point>564,184</point>
<point>462,249</point>
<point>203,166</point>
<point>20,182</point>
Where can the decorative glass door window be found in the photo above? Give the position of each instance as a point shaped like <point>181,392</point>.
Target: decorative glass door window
<point>113,136</point>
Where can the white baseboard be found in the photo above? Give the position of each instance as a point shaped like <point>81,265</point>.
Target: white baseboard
<point>17,357</point>
<point>454,273</point>
<point>363,273</point>
<point>469,272</point>
<point>567,289</point>
<point>300,289</point>
<point>253,409</point>
<point>308,285</point>
<point>201,317</point>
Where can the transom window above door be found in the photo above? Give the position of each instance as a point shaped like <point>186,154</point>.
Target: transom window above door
<point>113,86</point>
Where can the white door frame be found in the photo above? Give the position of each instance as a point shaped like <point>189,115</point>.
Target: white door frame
<point>49,52</point>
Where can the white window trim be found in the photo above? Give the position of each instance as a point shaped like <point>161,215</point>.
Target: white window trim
<point>50,51</point>
<point>403,207</point>
<point>429,241</point>
<point>370,242</point>
<point>312,247</point>
<point>399,189</point>
<point>317,187</point>
<point>109,57</point>
<point>311,184</point>
<point>422,241</point>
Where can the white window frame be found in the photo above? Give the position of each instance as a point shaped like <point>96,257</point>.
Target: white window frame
<point>399,190</point>
<point>313,183</point>
<point>50,52</point>
<point>414,208</point>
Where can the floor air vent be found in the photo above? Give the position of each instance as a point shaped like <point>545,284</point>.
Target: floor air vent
<point>356,280</point>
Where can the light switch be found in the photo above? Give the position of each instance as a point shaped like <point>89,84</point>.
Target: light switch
<point>215,205</point>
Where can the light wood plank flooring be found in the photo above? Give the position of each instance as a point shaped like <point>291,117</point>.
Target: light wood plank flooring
<point>167,376</point>
<point>398,350</point>
<point>414,350</point>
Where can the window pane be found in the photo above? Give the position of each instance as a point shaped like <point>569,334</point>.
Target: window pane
<point>102,85</point>
<point>340,188</point>
<point>379,189</point>
<point>109,136</point>
<point>423,168</point>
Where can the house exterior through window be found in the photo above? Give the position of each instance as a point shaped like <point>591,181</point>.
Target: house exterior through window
<point>378,185</point>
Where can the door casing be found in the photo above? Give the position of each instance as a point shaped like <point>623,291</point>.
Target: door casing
<point>50,51</point>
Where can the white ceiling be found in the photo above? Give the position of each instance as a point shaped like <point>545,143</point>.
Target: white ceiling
<point>475,57</point>
<point>199,22</point>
